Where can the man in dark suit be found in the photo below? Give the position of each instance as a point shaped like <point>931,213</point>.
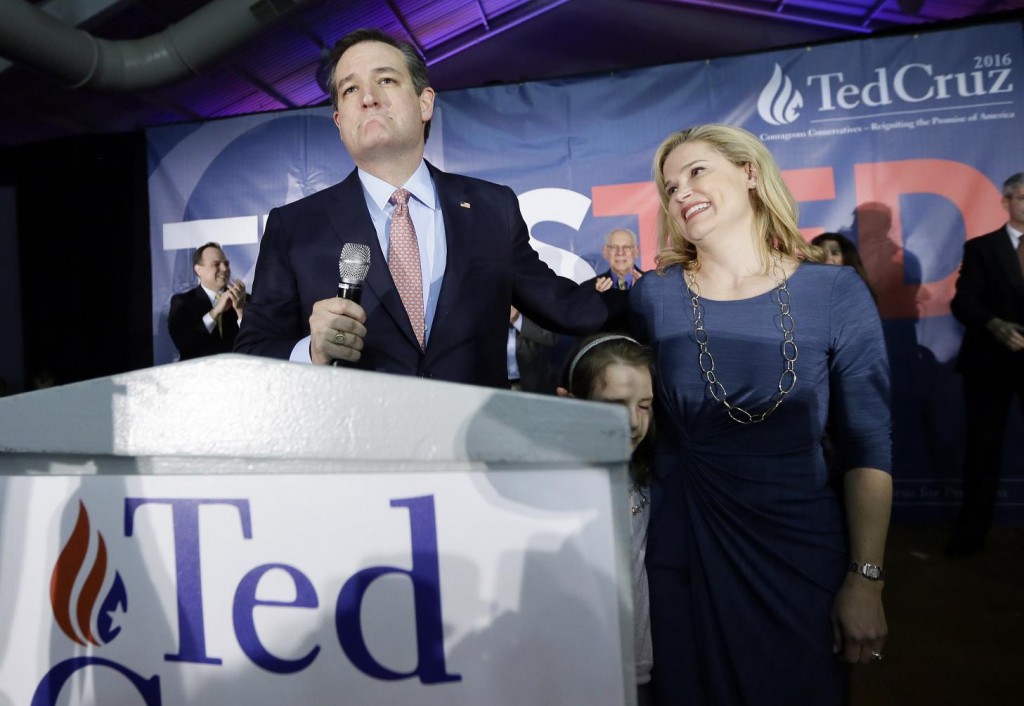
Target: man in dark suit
<point>204,320</point>
<point>620,252</point>
<point>474,258</point>
<point>529,355</point>
<point>989,302</point>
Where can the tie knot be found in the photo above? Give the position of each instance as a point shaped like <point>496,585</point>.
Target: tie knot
<point>400,197</point>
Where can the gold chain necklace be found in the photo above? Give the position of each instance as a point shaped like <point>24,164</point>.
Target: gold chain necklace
<point>787,381</point>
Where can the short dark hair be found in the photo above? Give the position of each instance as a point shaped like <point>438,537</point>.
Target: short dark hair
<point>415,63</point>
<point>197,256</point>
<point>1012,184</point>
<point>582,373</point>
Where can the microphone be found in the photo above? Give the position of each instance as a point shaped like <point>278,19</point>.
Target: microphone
<point>353,264</point>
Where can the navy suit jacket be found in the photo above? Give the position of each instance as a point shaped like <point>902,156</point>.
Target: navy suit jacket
<point>990,286</point>
<point>490,266</point>
<point>185,323</point>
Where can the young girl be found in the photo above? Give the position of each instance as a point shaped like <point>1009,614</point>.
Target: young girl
<point>617,369</point>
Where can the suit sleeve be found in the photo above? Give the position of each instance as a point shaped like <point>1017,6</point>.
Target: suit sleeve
<point>273,321</point>
<point>185,324</point>
<point>534,333</point>
<point>968,304</point>
<point>554,302</point>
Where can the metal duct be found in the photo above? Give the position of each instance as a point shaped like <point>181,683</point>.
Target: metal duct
<point>32,37</point>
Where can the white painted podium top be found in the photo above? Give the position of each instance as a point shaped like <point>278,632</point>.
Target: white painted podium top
<point>234,406</point>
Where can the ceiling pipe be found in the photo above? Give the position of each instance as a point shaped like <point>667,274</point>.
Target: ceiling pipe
<point>32,37</point>
<point>794,15</point>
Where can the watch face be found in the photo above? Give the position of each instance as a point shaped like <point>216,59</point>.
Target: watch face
<point>868,571</point>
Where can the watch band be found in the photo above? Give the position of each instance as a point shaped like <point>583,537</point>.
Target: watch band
<point>871,572</point>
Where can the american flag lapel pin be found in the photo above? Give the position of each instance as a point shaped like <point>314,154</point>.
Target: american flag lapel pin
<point>465,204</point>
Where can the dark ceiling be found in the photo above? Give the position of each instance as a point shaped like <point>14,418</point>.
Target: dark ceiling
<point>466,42</point>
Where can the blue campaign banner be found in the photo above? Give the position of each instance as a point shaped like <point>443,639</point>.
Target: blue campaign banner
<point>901,143</point>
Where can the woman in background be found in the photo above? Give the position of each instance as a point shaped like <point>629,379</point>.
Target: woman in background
<point>840,250</point>
<point>763,586</point>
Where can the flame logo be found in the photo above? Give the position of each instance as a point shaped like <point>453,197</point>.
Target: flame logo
<point>74,615</point>
<point>779,103</point>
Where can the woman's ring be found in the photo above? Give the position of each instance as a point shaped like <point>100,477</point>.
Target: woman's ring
<point>877,656</point>
<point>339,338</point>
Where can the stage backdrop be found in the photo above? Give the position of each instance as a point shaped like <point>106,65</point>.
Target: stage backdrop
<point>899,142</point>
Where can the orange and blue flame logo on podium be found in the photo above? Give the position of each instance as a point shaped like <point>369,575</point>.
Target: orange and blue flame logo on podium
<point>75,588</point>
<point>89,602</point>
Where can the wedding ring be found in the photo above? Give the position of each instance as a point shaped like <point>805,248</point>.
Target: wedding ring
<point>339,338</point>
<point>877,656</point>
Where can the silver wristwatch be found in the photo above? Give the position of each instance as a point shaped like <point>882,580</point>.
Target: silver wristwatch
<point>869,571</point>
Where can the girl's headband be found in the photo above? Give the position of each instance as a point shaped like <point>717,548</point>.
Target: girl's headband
<point>587,348</point>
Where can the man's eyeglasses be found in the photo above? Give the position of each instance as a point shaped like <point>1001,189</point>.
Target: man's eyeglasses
<point>621,248</point>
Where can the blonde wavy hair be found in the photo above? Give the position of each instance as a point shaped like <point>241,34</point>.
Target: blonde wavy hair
<point>775,211</point>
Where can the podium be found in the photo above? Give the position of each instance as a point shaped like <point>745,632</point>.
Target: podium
<point>236,530</point>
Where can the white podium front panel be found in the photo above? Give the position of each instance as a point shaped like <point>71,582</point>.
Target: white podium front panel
<point>310,589</point>
<point>482,558</point>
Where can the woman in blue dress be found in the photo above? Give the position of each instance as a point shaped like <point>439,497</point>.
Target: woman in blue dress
<point>765,580</point>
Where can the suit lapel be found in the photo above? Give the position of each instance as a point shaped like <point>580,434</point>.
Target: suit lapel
<point>352,224</point>
<point>200,300</point>
<point>459,227</point>
<point>1006,258</point>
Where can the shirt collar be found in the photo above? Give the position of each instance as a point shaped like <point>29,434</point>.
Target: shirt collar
<point>1014,233</point>
<point>419,185</point>
<point>209,292</point>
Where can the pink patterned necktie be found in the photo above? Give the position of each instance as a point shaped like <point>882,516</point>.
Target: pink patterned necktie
<point>404,262</point>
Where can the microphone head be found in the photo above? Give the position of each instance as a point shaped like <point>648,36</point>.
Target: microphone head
<point>354,263</point>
